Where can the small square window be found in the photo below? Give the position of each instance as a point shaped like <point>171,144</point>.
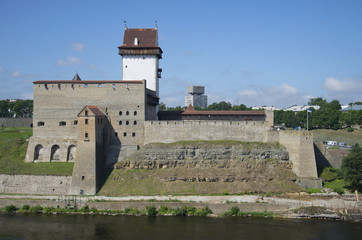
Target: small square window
<point>133,134</point>
<point>120,122</point>
<point>134,122</point>
<point>135,113</point>
<point>124,134</point>
<point>120,113</point>
<point>127,122</point>
<point>127,113</point>
<point>86,135</point>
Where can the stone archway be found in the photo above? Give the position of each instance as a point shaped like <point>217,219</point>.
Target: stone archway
<point>55,153</point>
<point>38,152</point>
<point>72,150</point>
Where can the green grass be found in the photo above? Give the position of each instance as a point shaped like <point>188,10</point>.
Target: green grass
<point>320,135</point>
<point>338,183</point>
<point>13,146</point>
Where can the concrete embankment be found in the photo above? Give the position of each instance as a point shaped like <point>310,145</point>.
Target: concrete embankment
<point>328,206</point>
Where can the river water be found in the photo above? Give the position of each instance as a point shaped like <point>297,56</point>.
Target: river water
<point>53,227</point>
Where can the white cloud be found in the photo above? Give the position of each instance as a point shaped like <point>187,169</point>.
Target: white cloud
<point>283,95</point>
<point>343,86</point>
<point>15,73</point>
<point>248,93</point>
<point>68,61</point>
<point>78,46</point>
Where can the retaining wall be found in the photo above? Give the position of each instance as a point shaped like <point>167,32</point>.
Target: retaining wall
<point>33,184</point>
<point>16,122</point>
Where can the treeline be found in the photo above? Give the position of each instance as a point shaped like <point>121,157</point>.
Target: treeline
<point>328,116</point>
<point>19,108</point>
<point>216,106</point>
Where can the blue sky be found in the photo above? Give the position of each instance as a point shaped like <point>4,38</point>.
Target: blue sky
<point>256,52</point>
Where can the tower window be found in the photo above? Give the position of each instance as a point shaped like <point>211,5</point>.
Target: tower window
<point>120,113</point>
<point>134,122</point>
<point>120,122</point>
<point>127,113</point>
<point>115,134</point>
<point>59,86</point>
<point>86,112</point>
<point>75,122</point>
<point>86,122</point>
<point>135,113</point>
<point>86,135</point>
<point>127,122</point>
<point>41,124</point>
<point>82,179</point>
<point>133,134</point>
<point>124,134</point>
<point>62,123</point>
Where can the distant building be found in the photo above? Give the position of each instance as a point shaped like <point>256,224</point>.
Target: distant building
<point>196,97</point>
<point>296,108</point>
<point>271,108</point>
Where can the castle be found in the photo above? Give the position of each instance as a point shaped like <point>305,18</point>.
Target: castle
<point>98,123</point>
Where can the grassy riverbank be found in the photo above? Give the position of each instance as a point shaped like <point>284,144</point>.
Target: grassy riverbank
<point>13,146</point>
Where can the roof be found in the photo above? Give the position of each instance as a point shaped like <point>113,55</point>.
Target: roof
<point>76,77</point>
<point>95,110</point>
<point>84,82</point>
<point>146,37</point>
<point>190,110</point>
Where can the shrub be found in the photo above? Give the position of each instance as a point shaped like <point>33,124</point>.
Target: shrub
<point>36,209</point>
<point>234,211</point>
<point>330,174</point>
<point>48,209</point>
<point>85,208</point>
<point>225,192</point>
<point>163,210</point>
<point>26,207</point>
<point>180,211</point>
<point>151,211</point>
<point>338,190</point>
<point>203,211</point>
<point>10,209</point>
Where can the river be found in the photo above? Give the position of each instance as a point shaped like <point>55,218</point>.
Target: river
<point>53,227</point>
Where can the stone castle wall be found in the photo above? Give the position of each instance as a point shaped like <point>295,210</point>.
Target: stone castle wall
<point>172,131</point>
<point>300,148</point>
<point>34,184</point>
<point>16,122</point>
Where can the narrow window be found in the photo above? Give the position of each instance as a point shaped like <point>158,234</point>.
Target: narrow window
<point>62,123</point>
<point>86,135</point>
<point>86,112</point>
<point>134,122</point>
<point>115,134</point>
<point>46,86</point>
<point>127,113</point>
<point>41,124</point>
<point>127,122</point>
<point>120,122</point>
<point>120,113</point>
<point>135,113</point>
<point>124,134</point>
<point>82,178</point>
<point>133,134</point>
<point>86,121</point>
<point>59,86</point>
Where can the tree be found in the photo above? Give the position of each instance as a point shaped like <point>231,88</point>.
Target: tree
<point>352,168</point>
<point>162,107</point>
<point>317,101</point>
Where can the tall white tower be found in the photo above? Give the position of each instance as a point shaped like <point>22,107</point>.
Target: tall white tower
<point>140,56</point>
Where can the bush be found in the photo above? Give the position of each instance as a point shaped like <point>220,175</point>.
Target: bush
<point>338,190</point>
<point>330,174</point>
<point>203,212</point>
<point>10,209</point>
<point>151,211</point>
<point>26,208</point>
<point>180,211</point>
<point>234,211</point>
<point>85,208</point>
<point>36,209</point>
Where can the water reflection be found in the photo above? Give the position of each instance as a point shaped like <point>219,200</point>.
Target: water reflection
<point>41,226</point>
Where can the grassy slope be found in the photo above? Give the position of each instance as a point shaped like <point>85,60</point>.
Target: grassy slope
<point>13,147</point>
<point>354,137</point>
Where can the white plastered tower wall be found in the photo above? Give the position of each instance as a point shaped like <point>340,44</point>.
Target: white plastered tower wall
<point>142,67</point>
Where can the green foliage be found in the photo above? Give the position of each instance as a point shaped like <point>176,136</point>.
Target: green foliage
<point>21,108</point>
<point>352,168</point>
<point>85,208</point>
<point>162,107</point>
<point>10,209</point>
<point>151,211</point>
<point>330,174</point>
<point>180,211</point>
<point>314,190</point>
<point>224,192</point>
<point>36,209</point>
<point>25,207</point>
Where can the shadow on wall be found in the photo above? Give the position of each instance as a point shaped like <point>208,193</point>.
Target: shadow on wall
<point>110,153</point>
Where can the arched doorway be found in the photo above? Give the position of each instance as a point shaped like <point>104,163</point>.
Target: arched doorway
<point>38,152</point>
<point>72,150</point>
<point>55,153</point>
